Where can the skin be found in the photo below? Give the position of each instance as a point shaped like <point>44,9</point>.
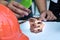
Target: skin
<point>21,11</point>
<point>41,4</point>
<point>18,9</point>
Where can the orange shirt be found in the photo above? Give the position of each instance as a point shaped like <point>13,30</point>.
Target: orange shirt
<point>9,26</point>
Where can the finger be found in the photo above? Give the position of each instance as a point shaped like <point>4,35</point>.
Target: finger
<point>18,16</point>
<point>19,11</point>
<point>51,16</point>
<point>20,6</point>
<point>55,17</point>
<point>43,19</point>
<point>48,17</point>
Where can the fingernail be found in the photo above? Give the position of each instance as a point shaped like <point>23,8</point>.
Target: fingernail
<point>26,14</point>
<point>45,20</point>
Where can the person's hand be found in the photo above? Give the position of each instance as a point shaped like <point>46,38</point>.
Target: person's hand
<point>3,2</point>
<point>19,10</point>
<point>47,15</point>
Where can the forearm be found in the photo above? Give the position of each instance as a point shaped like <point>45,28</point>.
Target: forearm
<point>41,4</point>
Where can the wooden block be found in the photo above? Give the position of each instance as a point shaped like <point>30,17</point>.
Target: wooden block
<point>36,25</point>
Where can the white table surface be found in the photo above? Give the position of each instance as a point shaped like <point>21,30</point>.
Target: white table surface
<point>51,31</point>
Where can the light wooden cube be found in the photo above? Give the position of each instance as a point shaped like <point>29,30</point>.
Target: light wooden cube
<point>36,25</point>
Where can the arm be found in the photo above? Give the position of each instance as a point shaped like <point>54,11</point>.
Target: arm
<point>45,14</point>
<point>41,5</point>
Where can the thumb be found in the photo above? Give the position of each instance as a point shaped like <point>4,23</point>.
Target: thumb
<point>43,19</point>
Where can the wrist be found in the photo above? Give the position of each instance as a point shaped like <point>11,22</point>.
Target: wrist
<point>44,11</point>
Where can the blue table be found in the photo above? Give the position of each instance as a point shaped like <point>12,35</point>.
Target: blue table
<point>51,31</point>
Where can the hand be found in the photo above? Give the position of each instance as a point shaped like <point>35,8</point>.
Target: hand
<point>47,15</point>
<point>50,16</point>
<point>18,9</point>
<point>3,2</point>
